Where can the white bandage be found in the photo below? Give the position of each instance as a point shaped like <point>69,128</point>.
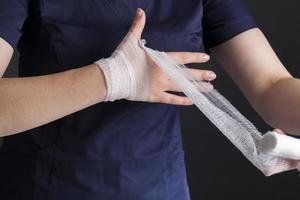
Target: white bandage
<point>126,71</point>
<point>280,145</point>
<point>238,129</point>
<point>127,76</point>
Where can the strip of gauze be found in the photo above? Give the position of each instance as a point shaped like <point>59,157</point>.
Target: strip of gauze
<point>280,145</point>
<point>237,128</point>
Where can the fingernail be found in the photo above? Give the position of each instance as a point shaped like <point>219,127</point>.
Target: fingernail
<point>139,12</point>
<point>206,57</point>
<point>211,75</point>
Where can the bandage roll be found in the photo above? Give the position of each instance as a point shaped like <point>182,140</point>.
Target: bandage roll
<point>237,128</point>
<point>280,145</point>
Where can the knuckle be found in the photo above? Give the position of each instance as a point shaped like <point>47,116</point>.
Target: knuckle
<point>132,30</point>
<point>172,100</point>
<point>152,98</point>
<point>134,26</point>
<point>164,84</point>
<point>189,58</point>
<point>185,101</point>
<point>199,57</point>
<point>202,74</point>
<point>155,97</point>
<point>182,58</point>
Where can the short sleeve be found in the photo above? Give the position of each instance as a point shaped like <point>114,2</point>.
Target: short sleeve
<point>13,14</point>
<point>224,19</point>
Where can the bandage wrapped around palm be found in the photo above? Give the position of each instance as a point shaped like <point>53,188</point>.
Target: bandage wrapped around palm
<point>130,73</point>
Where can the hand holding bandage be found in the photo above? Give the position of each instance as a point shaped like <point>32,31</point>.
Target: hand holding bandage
<point>281,145</point>
<point>136,72</point>
<point>131,75</point>
<point>238,129</point>
<point>277,143</point>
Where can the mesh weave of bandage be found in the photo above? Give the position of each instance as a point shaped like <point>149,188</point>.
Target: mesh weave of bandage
<point>241,132</point>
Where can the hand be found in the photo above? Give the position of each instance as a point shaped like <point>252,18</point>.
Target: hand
<point>289,165</point>
<point>147,82</point>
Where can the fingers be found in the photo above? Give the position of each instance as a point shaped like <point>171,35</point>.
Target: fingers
<point>138,23</point>
<point>165,84</point>
<point>175,100</point>
<point>170,86</point>
<point>284,166</point>
<point>204,75</point>
<point>203,87</point>
<point>189,57</point>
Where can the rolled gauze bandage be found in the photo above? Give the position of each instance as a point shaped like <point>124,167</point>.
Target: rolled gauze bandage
<point>280,145</point>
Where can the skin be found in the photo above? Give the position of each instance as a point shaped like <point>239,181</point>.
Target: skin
<point>248,59</point>
<point>271,90</point>
<point>26,103</point>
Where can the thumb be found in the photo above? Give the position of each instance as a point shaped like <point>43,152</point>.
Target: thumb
<point>138,24</point>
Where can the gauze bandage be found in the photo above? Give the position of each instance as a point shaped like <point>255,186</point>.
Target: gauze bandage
<point>241,132</point>
<point>280,145</point>
<point>126,72</point>
<point>127,77</point>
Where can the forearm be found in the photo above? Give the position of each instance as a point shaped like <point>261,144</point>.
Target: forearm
<point>271,90</point>
<point>26,103</point>
<point>279,106</point>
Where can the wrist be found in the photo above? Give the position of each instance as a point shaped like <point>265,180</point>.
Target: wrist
<point>116,78</point>
<point>102,82</point>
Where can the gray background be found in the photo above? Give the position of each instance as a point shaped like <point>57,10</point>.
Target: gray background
<point>216,170</point>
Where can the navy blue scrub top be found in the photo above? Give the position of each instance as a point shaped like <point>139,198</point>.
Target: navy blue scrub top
<point>121,150</point>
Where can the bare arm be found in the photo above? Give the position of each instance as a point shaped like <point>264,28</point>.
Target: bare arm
<point>272,91</point>
<point>26,103</point>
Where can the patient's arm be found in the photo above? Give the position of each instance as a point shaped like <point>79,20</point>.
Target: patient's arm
<point>252,64</point>
<point>26,103</point>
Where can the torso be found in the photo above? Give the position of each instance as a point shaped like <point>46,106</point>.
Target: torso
<point>121,150</point>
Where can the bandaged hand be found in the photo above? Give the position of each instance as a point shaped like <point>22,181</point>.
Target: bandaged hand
<point>130,74</point>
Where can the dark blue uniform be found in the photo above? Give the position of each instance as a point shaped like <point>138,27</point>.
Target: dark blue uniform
<point>121,150</point>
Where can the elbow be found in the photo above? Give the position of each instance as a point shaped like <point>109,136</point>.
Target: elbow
<point>276,106</point>
<point>276,120</point>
